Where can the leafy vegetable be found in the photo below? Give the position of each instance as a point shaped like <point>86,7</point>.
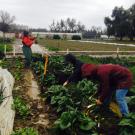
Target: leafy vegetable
<point>127,125</point>
<point>25,131</point>
<point>21,108</point>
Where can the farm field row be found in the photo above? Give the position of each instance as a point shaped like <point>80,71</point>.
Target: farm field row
<point>64,109</point>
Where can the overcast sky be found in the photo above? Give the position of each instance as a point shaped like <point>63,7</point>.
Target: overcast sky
<point>41,13</point>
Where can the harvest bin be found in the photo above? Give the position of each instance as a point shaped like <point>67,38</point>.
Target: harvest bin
<point>6,112</point>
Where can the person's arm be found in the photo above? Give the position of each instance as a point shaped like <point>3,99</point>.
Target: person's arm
<point>73,77</point>
<point>104,87</point>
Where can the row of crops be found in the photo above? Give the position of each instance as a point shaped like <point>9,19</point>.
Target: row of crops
<point>74,105</point>
<point>73,110</point>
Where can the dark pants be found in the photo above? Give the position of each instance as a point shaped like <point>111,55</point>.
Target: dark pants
<point>28,55</point>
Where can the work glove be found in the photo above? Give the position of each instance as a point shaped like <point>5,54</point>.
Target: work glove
<point>65,83</point>
<point>98,102</point>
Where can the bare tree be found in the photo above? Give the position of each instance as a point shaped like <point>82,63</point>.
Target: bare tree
<point>80,27</point>
<point>68,25</point>
<point>5,21</point>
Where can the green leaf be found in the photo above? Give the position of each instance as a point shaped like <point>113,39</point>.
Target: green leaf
<point>86,123</point>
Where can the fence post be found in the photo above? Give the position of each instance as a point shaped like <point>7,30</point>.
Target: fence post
<point>118,52</point>
<point>5,49</point>
<point>67,51</point>
<point>14,50</point>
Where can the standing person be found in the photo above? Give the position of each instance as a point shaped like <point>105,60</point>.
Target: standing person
<point>110,77</point>
<point>27,41</point>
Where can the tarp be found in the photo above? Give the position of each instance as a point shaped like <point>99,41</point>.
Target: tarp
<point>6,112</point>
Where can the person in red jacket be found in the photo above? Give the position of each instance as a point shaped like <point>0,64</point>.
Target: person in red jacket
<point>27,42</point>
<point>110,77</point>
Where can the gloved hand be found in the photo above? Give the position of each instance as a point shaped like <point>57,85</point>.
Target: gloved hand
<point>65,83</point>
<point>98,102</point>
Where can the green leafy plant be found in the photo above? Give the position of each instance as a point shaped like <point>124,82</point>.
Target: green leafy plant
<point>74,122</point>
<point>48,80</point>
<point>53,49</point>
<point>19,64</point>
<point>60,97</point>
<point>17,75</point>
<point>20,107</point>
<point>127,125</point>
<point>25,131</point>
<point>82,92</point>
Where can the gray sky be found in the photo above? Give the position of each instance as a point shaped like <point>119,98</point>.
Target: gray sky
<point>41,13</point>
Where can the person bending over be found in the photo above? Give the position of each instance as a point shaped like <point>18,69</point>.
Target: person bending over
<point>111,78</point>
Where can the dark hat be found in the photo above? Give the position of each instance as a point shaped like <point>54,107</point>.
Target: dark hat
<point>70,58</point>
<point>25,33</point>
<point>88,69</point>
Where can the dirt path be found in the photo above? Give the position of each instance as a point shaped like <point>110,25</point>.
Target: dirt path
<point>106,43</point>
<point>39,116</point>
<point>17,48</point>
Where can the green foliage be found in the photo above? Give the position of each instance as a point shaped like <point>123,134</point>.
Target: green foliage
<point>6,40</point>
<point>20,107</point>
<point>76,37</point>
<point>74,121</point>
<point>60,97</point>
<point>57,64</point>
<point>87,87</point>
<point>121,24</point>
<point>131,101</point>
<point>66,120</point>
<point>8,47</point>
<point>127,125</point>
<point>18,63</point>
<point>82,92</point>
<point>48,80</point>
<point>17,75</point>
<point>25,131</point>
<point>74,96</point>
<point>56,37</point>
<point>53,49</point>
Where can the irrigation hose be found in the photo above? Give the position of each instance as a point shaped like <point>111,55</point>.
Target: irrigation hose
<point>45,67</point>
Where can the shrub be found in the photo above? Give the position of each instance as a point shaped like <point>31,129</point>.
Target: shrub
<point>56,37</point>
<point>76,37</point>
<point>6,40</point>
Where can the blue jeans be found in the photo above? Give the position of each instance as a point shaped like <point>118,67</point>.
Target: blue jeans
<point>120,98</point>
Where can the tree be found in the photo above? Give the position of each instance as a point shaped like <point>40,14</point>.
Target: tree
<point>110,28</point>
<point>68,25</point>
<point>5,21</point>
<point>131,21</point>
<point>80,27</point>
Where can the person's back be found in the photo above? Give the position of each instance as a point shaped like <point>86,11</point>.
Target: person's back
<point>118,75</point>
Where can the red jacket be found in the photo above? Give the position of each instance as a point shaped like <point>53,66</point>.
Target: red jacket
<point>110,77</point>
<point>28,41</point>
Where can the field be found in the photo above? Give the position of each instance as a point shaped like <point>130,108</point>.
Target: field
<point>59,110</point>
<point>77,46</point>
